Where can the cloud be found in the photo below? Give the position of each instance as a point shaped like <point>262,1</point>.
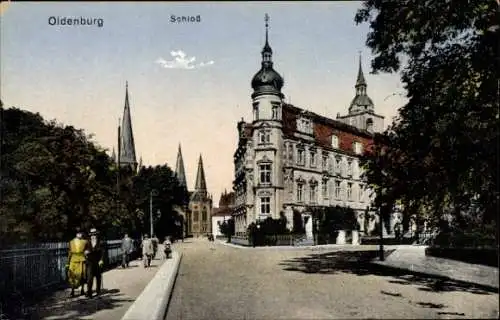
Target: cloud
<point>182,61</point>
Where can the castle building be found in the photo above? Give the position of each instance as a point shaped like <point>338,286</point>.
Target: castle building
<point>289,159</point>
<point>198,213</point>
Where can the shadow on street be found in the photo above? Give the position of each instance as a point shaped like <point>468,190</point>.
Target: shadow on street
<point>359,263</point>
<point>62,307</point>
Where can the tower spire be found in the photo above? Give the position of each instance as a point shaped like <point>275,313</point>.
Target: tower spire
<point>201,184</point>
<point>179,168</point>
<point>360,81</point>
<point>127,152</point>
<point>267,52</point>
<point>361,101</point>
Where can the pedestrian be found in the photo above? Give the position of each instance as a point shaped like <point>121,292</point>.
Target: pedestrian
<point>95,262</point>
<point>127,248</point>
<point>147,251</point>
<point>155,242</point>
<point>76,263</point>
<point>167,247</point>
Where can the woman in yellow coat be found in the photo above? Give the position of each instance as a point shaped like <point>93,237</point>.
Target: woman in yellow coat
<point>76,263</point>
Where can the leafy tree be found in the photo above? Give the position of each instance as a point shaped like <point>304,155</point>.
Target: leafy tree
<point>441,154</point>
<point>160,183</point>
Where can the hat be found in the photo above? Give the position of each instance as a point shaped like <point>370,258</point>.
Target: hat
<point>93,231</point>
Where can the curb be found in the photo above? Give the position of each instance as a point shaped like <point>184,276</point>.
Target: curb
<point>153,301</point>
<point>320,246</point>
<point>398,270</point>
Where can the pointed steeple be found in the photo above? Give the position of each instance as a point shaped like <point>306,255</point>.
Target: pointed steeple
<point>127,156</point>
<point>179,169</point>
<point>139,166</point>
<point>113,155</point>
<point>267,52</point>
<point>200,187</point>
<point>201,184</point>
<point>361,77</point>
<point>361,101</point>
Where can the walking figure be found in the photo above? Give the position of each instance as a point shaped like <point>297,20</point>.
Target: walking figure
<point>167,248</point>
<point>76,263</point>
<point>155,242</point>
<point>127,248</point>
<point>95,262</point>
<point>147,251</point>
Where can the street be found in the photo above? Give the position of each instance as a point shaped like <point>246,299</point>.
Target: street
<point>216,281</point>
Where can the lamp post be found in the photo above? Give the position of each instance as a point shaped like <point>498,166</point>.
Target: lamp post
<point>151,194</point>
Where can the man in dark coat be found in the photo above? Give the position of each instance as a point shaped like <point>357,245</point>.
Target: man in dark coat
<point>95,262</point>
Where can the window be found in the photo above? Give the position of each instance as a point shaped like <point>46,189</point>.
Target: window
<point>313,158</point>
<point>325,162</point>
<point>337,189</point>
<point>265,205</point>
<point>312,192</point>
<point>335,142</point>
<point>275,112</point>
<point>300,187</point>
<point>349,167</point>
<point>360,191</point>
<point>196,216</point>
<point>338,160</point>
<point>349,191</point>
<point>264,136</point>
<point>357,147</point>
<point>204,215</point>
<point>324,190</point>
<point>301,157</point>
<point>265,173</point>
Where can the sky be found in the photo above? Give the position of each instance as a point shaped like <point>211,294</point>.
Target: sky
<point>189,82</point>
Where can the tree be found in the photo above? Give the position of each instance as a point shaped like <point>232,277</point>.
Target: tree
<point>441,153</point>
<point>168,195</point>
<point>54,179</point>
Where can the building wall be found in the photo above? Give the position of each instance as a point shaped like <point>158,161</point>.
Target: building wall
<point>200,226</point>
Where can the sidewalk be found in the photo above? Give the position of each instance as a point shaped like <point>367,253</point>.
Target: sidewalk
<point>415,261</point>
<point>121,288</point>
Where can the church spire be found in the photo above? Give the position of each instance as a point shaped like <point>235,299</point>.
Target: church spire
<point>179,169</point>
<point>127,152</point>
<point>113,155</point>
<point>201,184</point>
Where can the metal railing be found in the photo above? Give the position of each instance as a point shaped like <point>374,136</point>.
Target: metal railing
<point>30,268</point>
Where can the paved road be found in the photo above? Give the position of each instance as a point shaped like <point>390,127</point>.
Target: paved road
<point>222,282</point>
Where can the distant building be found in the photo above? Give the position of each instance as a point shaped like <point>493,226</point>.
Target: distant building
<point>289,159</point>
<point>198,213</point>
<point>223,212</point>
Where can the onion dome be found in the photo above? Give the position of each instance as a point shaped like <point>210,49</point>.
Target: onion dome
<point>267,80</point>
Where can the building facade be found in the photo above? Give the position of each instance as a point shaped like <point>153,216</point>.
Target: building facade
<point>223,212</point>
<point>289,159</point>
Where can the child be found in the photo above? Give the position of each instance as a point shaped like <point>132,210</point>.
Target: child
<point>167,247</point>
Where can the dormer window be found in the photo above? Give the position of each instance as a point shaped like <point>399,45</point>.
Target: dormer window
<point>357,147</point>
<point>335,142</point>
<point>305,125</point>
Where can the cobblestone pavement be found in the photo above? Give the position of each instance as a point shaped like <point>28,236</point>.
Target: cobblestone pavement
<point>221,282</point>
<point>121,288</point>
